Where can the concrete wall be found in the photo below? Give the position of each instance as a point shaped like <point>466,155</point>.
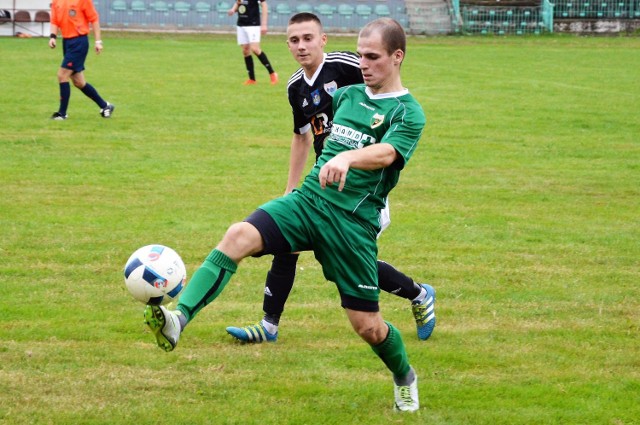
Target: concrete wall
<point>597,26</point>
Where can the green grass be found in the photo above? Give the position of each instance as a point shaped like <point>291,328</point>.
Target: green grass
<point>521,206</point>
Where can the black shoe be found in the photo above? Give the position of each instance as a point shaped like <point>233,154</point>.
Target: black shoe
<point>107,110</point>
<point>58,116</point>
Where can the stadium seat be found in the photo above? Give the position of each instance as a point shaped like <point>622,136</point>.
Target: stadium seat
<point>283,9</point>
<point>182,7</point>
<point>42,17</point>
<point>118,13</point>
<point>304,7</point>
<point>222,8</point>
<point>22,16</point>
<point>363,10</point>
<point>325,10</point>
<point>382,10</point>
<point>280,13</point>
<point>119,6</point>
<point>138,6</point>
<point>181,15</point>
<point>345,10</point>
<point>160,13</point>
<point>160,6</point>
<point>203,7</point>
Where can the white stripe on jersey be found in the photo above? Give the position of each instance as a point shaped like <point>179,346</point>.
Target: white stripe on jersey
<point>295,77</point>
<point>344,57</point>
<point>347,58</point>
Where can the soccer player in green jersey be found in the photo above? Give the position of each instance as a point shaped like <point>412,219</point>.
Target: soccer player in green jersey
<point>335,213</point>
<point>310,90</point>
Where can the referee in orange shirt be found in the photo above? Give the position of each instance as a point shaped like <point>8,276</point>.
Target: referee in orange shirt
<point>72,18</point>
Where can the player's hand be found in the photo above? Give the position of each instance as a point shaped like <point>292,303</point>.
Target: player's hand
<point>52,43</point>
<point>263,29</point>
<point>230,12</point>
<point>334,171</point>
<point>98,47</point>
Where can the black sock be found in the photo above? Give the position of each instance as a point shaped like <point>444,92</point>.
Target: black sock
<point>278,286</point>
<point>248,61</point>
<point>265,62</point>
<point>395,282</point>
<point>65,94</point>
<point>92,93</point>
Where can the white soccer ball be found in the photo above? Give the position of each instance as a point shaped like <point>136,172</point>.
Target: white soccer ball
<point>155,274</point>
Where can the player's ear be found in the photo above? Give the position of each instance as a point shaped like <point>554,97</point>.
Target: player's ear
<point>398,57</point>
<point>324,39</point>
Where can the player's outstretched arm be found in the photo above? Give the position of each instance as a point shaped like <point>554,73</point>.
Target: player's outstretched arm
<point>373,157</point>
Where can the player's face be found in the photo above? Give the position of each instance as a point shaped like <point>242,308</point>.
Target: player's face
<point>306,43</point>
<point>380,70</point>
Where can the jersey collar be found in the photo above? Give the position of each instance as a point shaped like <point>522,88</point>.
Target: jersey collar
<point>370,94</point>
<point>314,77</point>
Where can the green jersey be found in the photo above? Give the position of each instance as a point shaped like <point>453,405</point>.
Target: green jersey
<point>362,119</point>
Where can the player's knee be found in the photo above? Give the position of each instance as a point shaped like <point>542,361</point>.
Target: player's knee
<point>371,333</point>
<point>241,240</point>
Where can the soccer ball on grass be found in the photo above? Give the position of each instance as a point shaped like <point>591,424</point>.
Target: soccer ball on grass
<point>155,274</point>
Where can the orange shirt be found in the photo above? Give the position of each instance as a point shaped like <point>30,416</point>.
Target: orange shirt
<point>73,16</point>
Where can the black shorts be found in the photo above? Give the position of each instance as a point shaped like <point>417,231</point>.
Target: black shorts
<point>75,53</point>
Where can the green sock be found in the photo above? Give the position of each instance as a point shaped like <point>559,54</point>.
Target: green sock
<point>206,284</point>
<point>393,353</point>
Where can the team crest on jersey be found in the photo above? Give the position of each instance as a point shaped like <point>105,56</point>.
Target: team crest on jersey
<point>315,97</point>
<point>331,88</point>
<point>72,13</point>
<point>377,120</point>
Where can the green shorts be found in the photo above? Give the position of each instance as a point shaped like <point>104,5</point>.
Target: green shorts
<point>344,244</point>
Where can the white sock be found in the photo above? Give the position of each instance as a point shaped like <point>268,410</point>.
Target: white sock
<point>270,327</point>
<point>421,297</point>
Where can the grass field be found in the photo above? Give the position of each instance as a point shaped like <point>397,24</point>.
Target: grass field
<point>521,206</point>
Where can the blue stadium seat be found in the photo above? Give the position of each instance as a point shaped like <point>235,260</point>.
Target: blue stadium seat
<point>304,7</point>
<point>203,12</point>
<point>325,10</point>
<point>382,10</point>
<point>283,9</point>
<point>138,6</point>
<point>119,6</point>
<point>160,6</point>
<point>203,7</point>
<point>118,13</point>
<point>222,8</point>
<point>363,10</point>
<point>160,15</point>
<point>182,7</point>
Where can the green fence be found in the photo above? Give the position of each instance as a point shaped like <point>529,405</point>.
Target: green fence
<point>504,18</point>
<point>585,9</point>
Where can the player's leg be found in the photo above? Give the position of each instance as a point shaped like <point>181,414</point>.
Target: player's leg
<point>240,241</point>
<point>254,35</point>
<point>106,108</point>
<point>64,75</point>
<point>276,291</point>
<point>262,56</point>
<point>244,43</point>
<point>386,341</point>
<point>248,63</point>
<point>422,296</point>
<point>351,270</point>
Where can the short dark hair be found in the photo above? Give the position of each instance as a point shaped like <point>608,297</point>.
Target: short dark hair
<point>299,18</point>
<point>391,32</point>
